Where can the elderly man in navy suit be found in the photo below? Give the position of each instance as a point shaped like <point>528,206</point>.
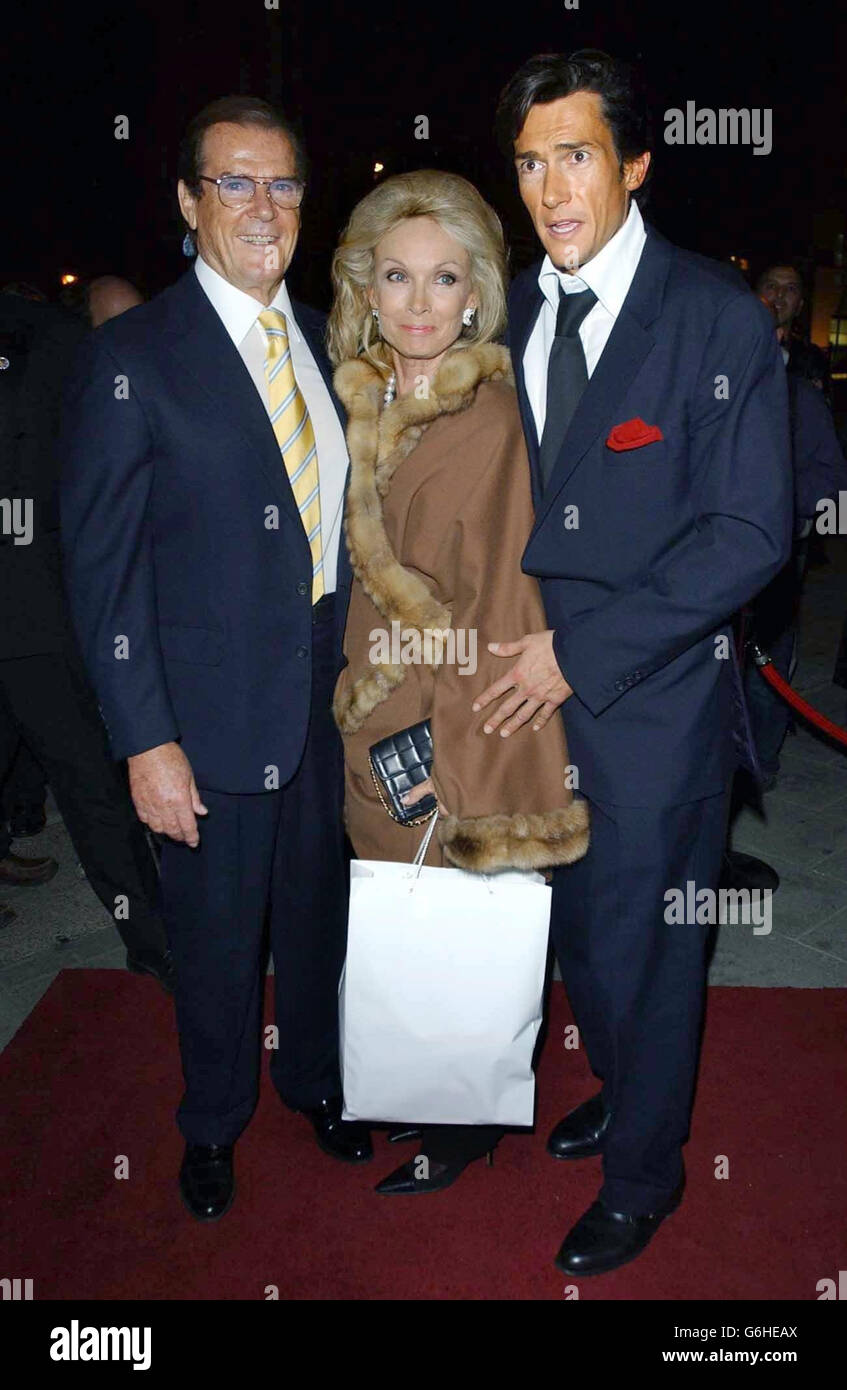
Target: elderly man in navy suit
<point>654,405</point>
<point>204,477</point>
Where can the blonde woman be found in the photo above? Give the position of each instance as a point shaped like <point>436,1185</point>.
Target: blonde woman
<point>438,514</point>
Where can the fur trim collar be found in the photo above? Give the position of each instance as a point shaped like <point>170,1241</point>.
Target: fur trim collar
<point>487,844</point>
<point>378,440</point>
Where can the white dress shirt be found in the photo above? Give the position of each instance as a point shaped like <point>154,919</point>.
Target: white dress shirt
<point>239,313</point>
<point>609,274</point>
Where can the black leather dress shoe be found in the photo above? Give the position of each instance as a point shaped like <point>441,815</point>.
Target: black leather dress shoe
<point>603,1240</point>
<point>580,1134</point>
<point>159,964</point>
<point>7,915</point>
<point>206,1180</point>
<point>348,1140</point>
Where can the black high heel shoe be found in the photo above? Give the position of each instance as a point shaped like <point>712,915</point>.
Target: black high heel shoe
<point>403,1181</point>
<point>400,1134</point>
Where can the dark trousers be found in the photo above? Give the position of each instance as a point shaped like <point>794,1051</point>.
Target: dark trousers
<point>636,984</point>
<point>774,625</point>
<point>25,784</point>
<point>770,715</point>
<point>276,857</point>
<point>46,700</point>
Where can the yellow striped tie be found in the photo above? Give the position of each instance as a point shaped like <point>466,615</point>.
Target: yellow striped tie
<point>295,436</point>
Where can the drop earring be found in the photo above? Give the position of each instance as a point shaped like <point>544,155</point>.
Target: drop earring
<point>468,317</point>
<point>188,247</point>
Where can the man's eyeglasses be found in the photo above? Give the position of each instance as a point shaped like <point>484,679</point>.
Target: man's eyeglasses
<point>236,190</point>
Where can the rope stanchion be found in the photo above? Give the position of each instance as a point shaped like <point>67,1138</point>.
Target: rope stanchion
<point>781,686</point>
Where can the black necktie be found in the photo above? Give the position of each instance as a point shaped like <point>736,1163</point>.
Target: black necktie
<point>567,375</point>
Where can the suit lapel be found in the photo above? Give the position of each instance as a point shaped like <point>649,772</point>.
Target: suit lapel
<point>524,309</point>
<point>619,363</point>
<point>626,350</point>
<point>205,351</point>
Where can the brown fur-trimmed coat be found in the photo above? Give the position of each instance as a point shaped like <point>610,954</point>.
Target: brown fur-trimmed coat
<point>438,514</point>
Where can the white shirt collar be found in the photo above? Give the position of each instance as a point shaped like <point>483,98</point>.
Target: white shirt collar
<point>239,311</point>
<point>609,273</point>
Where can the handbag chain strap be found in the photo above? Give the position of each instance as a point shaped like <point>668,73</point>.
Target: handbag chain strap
<point>409,824</point>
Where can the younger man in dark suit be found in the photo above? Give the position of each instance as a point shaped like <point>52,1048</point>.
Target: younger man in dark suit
<point>654,406</point>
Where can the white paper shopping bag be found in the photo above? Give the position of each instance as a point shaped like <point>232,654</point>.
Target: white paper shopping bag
<point>441,995</point>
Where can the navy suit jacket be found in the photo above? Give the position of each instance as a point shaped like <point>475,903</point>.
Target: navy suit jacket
<point>819,467</point>
<point>193,608</point>
<point>672,537</point>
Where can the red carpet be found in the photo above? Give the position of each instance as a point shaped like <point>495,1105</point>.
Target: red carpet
<point>94,1074</point>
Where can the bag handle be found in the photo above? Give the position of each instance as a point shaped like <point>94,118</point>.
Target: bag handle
<point>417,862</point>
<point>419,858</point>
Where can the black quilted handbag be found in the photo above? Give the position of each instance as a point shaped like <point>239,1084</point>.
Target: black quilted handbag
<point>399,763</point>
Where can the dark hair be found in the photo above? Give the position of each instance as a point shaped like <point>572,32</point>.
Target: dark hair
<point>783,265</point>
<point>235,110</point>
<point>549,76</point>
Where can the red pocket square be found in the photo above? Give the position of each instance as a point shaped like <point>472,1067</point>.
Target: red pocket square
<point>633,434</point>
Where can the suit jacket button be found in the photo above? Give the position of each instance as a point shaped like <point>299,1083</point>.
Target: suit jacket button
<point>302,587</point>
<point>620,685</point>
<point>302,651</point>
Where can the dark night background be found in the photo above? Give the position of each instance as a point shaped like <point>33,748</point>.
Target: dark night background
<point>79,200</point>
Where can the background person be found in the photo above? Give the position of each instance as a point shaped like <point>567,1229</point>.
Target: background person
<point>780,287</point>
<point>103,298</point>
<point>820,472</point>
<point>46,701</point>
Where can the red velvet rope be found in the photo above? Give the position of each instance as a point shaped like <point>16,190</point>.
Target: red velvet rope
<point>802,706</point>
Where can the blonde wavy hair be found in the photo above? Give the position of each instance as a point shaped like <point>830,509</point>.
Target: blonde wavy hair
<point>462,212</point>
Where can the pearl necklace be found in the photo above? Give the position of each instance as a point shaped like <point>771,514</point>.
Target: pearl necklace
<point>390,390</point>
